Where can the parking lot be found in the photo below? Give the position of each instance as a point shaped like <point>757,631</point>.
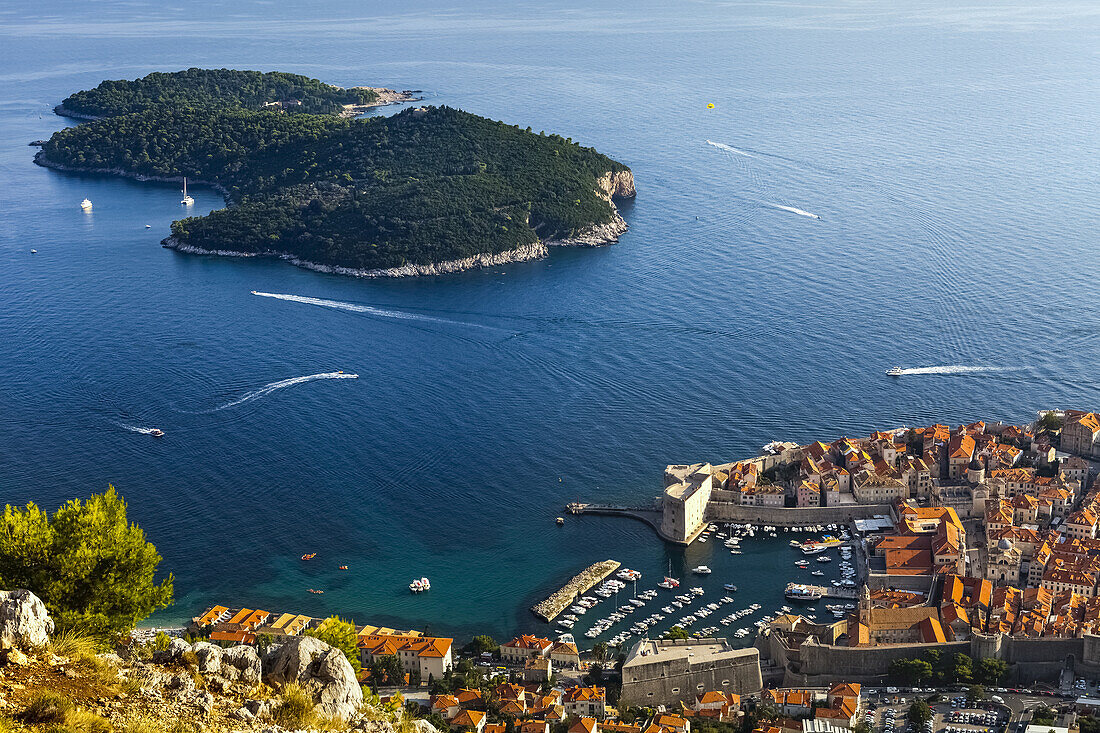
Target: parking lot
<point>951,715</point>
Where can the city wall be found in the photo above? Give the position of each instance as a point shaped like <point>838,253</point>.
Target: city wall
<point>1029,660</point>
<point>722,511</point>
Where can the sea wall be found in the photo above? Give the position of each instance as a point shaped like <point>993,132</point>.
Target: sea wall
<point>561,599</point>
<point>721,511</point>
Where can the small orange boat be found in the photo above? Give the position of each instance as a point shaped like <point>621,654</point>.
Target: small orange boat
<point>309,556</point>
<point>343,567</point>
<point>316,592</point>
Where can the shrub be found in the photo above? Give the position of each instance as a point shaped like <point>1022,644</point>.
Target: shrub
<point>341,634</point>
<point>91,567</point>
<point>47,707</point>
<point>190,659</point>
<point>296,708</point>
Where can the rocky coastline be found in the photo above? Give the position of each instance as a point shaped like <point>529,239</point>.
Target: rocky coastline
<point>41,159</point>
<point>612,185</point>
<point>521,254</point>
<point>385,97</point>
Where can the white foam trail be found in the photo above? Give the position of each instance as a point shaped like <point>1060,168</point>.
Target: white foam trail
<point>355,308</point>
<point>956,369</point>
<point>136,429</point>
<point>793,210</point>
<point>730,148</point>
<point>269,388</point>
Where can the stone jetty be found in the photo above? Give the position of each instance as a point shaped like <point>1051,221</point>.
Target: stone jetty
<point>581,582</point>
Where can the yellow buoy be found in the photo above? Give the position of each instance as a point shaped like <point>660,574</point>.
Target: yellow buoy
<point>710,105</point>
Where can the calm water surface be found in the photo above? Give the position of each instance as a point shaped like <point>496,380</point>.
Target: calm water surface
<point>950,153</point>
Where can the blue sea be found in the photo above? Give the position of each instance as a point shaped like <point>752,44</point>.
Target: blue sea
<point>948,152</point>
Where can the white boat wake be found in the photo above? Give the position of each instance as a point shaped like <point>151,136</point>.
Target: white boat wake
<point>793,210</point>
<point>137,429</point>
<point>355,308</point>
<point>730,149</point>
<point>956,369</point>
<point>269,388</point>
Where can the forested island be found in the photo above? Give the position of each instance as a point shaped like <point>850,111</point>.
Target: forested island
<point>431,189</point>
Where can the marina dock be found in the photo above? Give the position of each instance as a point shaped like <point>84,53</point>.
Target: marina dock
<point>577,585</point>
<point>828,591</point>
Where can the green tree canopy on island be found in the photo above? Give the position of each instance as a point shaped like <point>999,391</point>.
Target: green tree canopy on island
<point>214,88</point>
<point>92,567</point>
<point>423,186</point>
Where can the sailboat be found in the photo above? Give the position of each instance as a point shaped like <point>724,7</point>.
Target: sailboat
<point>187,200</point>
<point>669,582</point>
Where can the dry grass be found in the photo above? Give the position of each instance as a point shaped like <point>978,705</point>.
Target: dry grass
<point>296,708</point>
<point>82,721</point>
<point>47,708</point>
<point>74,644</point>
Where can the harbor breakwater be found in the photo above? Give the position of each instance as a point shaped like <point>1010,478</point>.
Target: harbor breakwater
<point>578,584</point>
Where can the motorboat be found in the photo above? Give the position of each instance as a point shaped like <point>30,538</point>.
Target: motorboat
<point>799,592</point>
<point>420,585</point>
<point>824,559</point>
<point>343,567</point>
<point>186,200</point>
<point>818,573</point>
<point>895,371</point>
<point>156,433</point>
<point>309,556</point>
<point>315,591</point>
<point>730,587</point>
<point>560,521</point>
<point>701,570</point>
<point>86,204</point>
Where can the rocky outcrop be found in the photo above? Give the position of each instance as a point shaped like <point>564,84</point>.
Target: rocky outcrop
<point>384,97</point>
<point>617,184</point>
<point>24,621</point>
<point>209,656</point>
<point>242,663</point>
<point>176,648</point>
<point>63,111</point>
<point>596,235</point>
<point>319,669</point>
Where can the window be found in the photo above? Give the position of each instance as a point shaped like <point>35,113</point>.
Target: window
<point>699,686</point>
<point>675,690</point>
<point>649,694</point>
<point>725,683</point>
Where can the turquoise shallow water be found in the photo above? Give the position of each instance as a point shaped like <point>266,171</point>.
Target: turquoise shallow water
<point>951,156</point>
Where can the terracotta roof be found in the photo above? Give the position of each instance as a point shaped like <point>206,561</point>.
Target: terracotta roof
<point>468,719</point>
<point>528,641</point>
<point>583,725</point>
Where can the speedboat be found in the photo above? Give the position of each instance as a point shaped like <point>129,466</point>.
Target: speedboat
<point>895,371</point>
<point>86,204</point>
<point>730,587</point>
<point>701,570</point>
<point>156,433</point>
<point>309,556</point>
